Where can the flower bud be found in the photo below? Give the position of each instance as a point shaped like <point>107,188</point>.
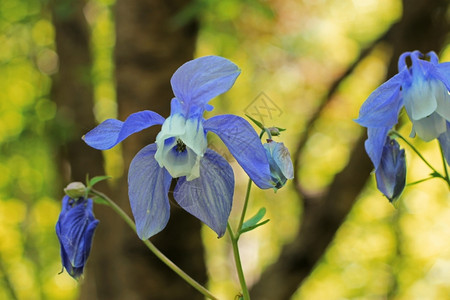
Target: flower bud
<point>75,190</point>
<point>280,163</point>
<point>391,173</point>
<point>75,230</point>
<point>274,131</point>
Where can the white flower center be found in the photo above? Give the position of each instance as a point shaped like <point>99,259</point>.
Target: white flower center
<point>181,144</point>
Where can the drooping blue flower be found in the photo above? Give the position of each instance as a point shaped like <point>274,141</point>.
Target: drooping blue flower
<point>423,89</point>
<point>280,162</point>
<point>205,184</point>
<point>75,230</point>
<point>391,173</point>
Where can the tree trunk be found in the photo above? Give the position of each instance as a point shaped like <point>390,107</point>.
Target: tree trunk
<point>73,93</point>
<point>148,51</point>
<point>423,27</point>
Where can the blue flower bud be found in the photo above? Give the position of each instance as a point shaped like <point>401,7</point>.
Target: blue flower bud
<point>280,163</point>
<point>391,173</point>
<point>75,230</point>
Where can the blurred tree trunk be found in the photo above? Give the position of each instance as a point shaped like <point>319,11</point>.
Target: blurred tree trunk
<point>72,91</point>
<point>149,49</point>
<point>423,27</point>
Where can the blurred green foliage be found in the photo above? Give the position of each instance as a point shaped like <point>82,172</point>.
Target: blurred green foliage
<point>290,50</point>
<point>29,249</point>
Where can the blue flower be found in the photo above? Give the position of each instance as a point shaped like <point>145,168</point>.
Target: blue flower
<point>423,89</point>
<point>280,162</point>
<point>391,173</point>
<point>205,184</point>
<point>75,230</point>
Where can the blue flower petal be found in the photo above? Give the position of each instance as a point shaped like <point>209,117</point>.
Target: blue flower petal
<point>402,61</point>
<point>244,144</point>
<point>391,174</point>
<point>383,105</point>
<point>209,197</point>
<point>443,71</point>
<point>148,188</point>
<point>429,128</point>
<point>434,59</point>
<point>111,132</point>
<point>280,163</point>
<point>199,80</point>
<point>375,143</point>
<point>419,96</point>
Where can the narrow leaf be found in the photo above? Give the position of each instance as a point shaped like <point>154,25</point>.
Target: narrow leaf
<point>254,220</point>
<point>259,124</point>
<point>254,226</point>
<point>97,179</point>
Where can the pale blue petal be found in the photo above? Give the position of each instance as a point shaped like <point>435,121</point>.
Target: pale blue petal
<point>148,188</point>
<point>280,163</point>
<point>244,144</point>
<point>383,105</point>
<point>111,132</point>
<point>443,71</point>
<point>375,143</point>
<point>444,140</point>
<point>430,127</point>
<point>442,98</point>
<point>209,197</point>
<point>419,97</point>
<point>199,80</point>
<point>177,129</point>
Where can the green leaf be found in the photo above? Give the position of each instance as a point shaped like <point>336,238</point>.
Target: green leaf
<point>436,175</point>
<point>254,226</point>
<point>259,124</point>
<point>252,223</point>
<point>100,200</point>
<point>97,179</point>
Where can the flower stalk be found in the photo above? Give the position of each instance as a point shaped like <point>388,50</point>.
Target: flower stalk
<point>447,177</point>
<point>237,260</point>
<point>155,250</point>
<point>436,173</point>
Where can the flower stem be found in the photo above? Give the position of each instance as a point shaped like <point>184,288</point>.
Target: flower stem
<point>234,237</point>
<point>155,250</point>
<point>447,177</point>
<point>237,260</point>
<point>244,209</point>
<point>436,173</point>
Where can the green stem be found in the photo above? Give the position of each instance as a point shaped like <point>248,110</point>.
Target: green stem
<point>447,177</point>
<point>244,209</point>
<point>418,154</point>
<point>420,181</point>
<point>155,250</point>
<point>235,237</point>
<point>237,260</point>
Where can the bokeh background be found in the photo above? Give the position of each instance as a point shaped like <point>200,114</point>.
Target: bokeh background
<point>331,234</point>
